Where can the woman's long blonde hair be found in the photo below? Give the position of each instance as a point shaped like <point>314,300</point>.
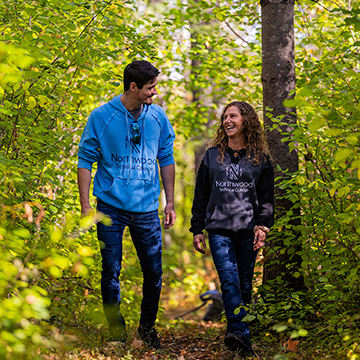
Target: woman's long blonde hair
<point>254,137</point>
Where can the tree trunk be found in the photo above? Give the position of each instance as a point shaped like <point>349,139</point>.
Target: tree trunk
<point>278,79</point>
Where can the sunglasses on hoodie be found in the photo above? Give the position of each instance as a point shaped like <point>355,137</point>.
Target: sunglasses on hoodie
<point>135,130</point>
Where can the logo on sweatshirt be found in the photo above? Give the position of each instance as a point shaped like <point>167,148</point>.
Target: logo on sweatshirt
<point>233,172</point>
<point>133,162</point>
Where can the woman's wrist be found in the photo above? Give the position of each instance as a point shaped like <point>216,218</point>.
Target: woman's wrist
<point>262,228</point>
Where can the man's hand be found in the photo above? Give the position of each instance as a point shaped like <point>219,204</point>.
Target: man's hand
<point>259,239</point>
<point>199,243</point>
<point>168,179</point>
<point>86,210</point>
<point>170,216</point>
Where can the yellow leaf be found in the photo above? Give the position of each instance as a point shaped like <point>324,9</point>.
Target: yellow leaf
<point>61,261</point>
<point>55,271</point>
<point>301,180</point>
<point>32,102</point>
<point>56,235</point>
<point>43,99</point>
<point>87,221</point>
<point>85,251</point>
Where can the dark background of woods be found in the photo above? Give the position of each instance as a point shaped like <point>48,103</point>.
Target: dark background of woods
<point>298,64</point>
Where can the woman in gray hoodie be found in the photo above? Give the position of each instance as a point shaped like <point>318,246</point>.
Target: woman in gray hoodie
<point>234,203</point>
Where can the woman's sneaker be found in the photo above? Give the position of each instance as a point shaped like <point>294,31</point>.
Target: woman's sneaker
<point>150,336</point>
<point>238,342</point>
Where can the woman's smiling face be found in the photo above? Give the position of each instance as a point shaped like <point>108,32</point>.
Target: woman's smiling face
<point>233,122</point>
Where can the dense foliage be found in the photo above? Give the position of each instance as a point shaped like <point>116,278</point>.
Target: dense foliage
<point>60,59</point>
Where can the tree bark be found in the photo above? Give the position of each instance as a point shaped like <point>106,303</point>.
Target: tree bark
<point>278,79</point>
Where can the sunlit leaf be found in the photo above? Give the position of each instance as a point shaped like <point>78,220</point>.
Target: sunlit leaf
<point>342,154</point>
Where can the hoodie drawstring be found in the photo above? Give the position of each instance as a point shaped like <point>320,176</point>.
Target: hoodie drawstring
<point>146,154</point>
<point>130,147</point>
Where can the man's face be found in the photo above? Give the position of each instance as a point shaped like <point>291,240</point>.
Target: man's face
<point>145,95</point>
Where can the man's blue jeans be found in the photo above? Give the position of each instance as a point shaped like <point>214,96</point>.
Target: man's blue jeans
<point>145,231</point>
<point>234,259</point>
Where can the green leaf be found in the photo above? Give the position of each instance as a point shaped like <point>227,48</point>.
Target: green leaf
<point>290,103</point>
<point>342,154</point>
<point>32,102</point>
<point>281,357</point>
<point>280,328</point>
<point>303,332</point>
<point>306,91</point>
<point>249,318</point>
<point>316,123</point>
<point>23,233</point>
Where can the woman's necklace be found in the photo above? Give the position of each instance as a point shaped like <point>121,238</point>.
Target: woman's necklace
<point>235,155</point>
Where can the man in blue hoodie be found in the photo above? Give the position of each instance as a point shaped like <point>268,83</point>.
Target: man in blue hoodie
<point>128,137</point>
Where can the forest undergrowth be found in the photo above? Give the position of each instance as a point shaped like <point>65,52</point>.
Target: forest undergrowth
<point>194,339</point>
<point>59,60</point>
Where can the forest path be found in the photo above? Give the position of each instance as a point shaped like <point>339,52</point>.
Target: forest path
<point>188,338</point>
<point>180,340</point>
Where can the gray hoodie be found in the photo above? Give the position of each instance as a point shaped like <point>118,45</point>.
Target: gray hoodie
<point>232,196</point>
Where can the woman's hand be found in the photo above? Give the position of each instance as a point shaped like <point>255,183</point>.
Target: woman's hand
<point>259,239</point>
<point>199,243</point>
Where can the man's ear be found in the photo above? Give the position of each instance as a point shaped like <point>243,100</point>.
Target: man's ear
<point>133,86</point>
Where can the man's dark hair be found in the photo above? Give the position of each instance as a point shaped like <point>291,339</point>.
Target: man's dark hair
<point>140,72</point>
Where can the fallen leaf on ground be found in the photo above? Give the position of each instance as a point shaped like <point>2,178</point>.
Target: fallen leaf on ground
<point>136,344</point>
<point>291,345</point>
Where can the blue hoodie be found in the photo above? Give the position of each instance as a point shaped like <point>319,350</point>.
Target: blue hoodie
<point>127,175</point>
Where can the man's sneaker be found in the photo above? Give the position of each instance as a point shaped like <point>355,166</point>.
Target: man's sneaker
<point>238,342</point>
<point>150,336</point>
<point>117,334</point>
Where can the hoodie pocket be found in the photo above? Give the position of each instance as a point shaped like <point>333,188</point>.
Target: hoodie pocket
<point>232,217</point>
<point>108,187</point>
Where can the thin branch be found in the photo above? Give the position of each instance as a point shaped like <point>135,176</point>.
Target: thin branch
<point>83,286</point>
<point>190,311</point>
<point>46,69</point>
<point>85,28</point>
<point>228,25</point>
<point>317,2</point>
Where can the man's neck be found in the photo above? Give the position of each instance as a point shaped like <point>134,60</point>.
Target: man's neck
<point>129,103</point>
